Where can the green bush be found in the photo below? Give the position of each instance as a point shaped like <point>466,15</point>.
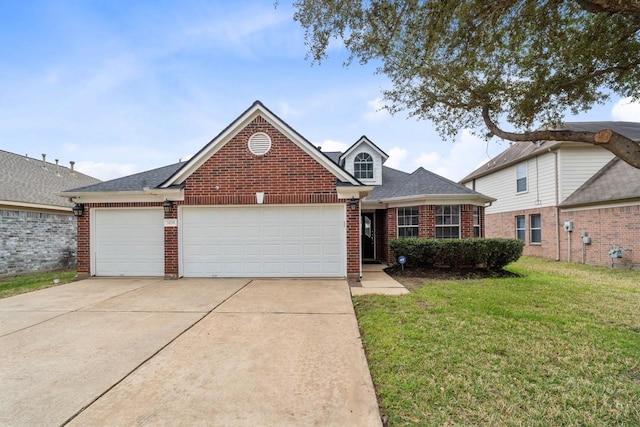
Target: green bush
<point>493,254</point>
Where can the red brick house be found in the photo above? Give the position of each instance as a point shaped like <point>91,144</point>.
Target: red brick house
<point>567,201</point>
<point>259,200</point>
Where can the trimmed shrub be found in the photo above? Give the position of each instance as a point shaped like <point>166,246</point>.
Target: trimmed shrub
<point>494,254</point>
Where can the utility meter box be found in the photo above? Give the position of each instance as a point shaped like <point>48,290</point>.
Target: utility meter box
<point>568,226</point>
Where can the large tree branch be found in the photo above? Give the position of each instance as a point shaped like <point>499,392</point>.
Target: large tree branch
<point>623,147</point>
<point>611,6</point>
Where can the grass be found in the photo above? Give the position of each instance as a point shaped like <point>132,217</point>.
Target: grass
<point>559,345</point>
<point>10,286</point>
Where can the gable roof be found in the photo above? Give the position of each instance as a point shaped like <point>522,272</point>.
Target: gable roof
<point>606,186</point>
<point>29,182</point>
<point>257,109</point>
<point>363,140</point>
<point>522,150</point>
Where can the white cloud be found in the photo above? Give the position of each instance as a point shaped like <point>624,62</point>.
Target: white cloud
<point>396,157</point>
<point>329,145</point>
<point>376,110</point>
<point>465,155</point>
<point>287,111</point>
<point>106,171</point>
<point>626,110</point>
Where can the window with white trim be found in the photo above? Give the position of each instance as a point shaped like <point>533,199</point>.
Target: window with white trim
<point>363,166</point>
<point>407,222</point>
<point>448,222</point>
<point>535,228</point>
<point>477,227</point>
<point>521,230</point>
<point>521,177</point>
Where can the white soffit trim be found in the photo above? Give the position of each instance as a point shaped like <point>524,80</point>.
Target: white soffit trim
<point>151,195</point>
<point>35,206</point>
<point>257,109</point>
<point>452,199</point>
<point>601,205</point>
<point>359,192</point>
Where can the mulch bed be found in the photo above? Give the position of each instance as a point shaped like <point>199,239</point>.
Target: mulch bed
<point>416,276</point>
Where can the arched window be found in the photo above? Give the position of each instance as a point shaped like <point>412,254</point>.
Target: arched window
<point>363,166</point>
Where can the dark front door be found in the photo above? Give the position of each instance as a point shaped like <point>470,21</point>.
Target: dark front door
<point>367,239</point>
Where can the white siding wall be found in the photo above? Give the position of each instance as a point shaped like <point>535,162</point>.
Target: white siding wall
<point>502,186</point>
<point>577,165</point>
<point>377,163</point>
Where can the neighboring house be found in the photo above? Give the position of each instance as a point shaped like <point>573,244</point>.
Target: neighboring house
<point>37,227</point>
<point>546,188</point>
<point>260,200</point>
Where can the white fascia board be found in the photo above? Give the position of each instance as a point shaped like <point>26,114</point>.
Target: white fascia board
<point>33,206</point>
<point>358,192</point>
<point>594,206</point>
<point>364,140</point>
<point>429,199</point>
<point>240,123</point>
<point>148,195</point>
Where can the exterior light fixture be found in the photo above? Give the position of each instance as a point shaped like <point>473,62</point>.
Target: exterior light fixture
<point>168,206</point>
<point>353,203</point>
<point>78,209</point>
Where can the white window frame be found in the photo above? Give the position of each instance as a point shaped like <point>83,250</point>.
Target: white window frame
<point>408,221</point>
<point>521,174</point>
<point>363,166</point>
<point>477,225</point>
<point>447,220</point>
<point>521,230</point>
<point>532,229</point>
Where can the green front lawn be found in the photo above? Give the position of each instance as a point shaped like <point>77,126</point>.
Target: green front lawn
<point>559,345</point>
<point>10,286</point>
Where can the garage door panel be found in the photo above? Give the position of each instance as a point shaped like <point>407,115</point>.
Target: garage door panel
<point>265,241</point>
<point>128,242</point>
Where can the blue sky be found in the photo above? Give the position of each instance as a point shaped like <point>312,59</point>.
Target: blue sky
<point>121,87</point>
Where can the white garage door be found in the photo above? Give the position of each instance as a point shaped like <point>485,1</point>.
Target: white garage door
<point>128,242</point>
<point>263,241</point>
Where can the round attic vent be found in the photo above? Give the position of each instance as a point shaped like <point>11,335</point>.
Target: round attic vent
<point>259,143</point>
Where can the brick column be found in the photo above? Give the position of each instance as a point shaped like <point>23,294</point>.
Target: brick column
<point>392,232</point>
<point>353,242</point>
<point>171,246</point>
<point>466,221</point>
<point>83,251</point>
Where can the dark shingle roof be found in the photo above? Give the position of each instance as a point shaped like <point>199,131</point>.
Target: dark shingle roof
<point>616,181</point>
<point>522,150</point>
<point>25,180</point>
<point>397,184</point>
<point>136,182</point>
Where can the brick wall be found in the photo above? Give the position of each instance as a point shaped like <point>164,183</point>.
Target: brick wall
<point>36,241</point>
<point>426,226</point>
<point>606,227</point>
<point>504,225</point>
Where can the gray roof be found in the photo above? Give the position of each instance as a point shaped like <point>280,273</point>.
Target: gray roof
<point>137,182</point>
<point>396,183</point>
<point>25,180</point>
<point>525,149</point>
<point>616,181</point>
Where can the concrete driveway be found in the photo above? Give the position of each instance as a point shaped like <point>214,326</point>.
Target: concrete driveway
<point>185,352</point>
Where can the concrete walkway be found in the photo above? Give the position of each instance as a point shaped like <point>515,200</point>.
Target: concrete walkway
<point>375,281</point>
<point>187,352</point>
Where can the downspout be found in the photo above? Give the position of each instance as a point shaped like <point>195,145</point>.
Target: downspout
<point>555,165</point>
